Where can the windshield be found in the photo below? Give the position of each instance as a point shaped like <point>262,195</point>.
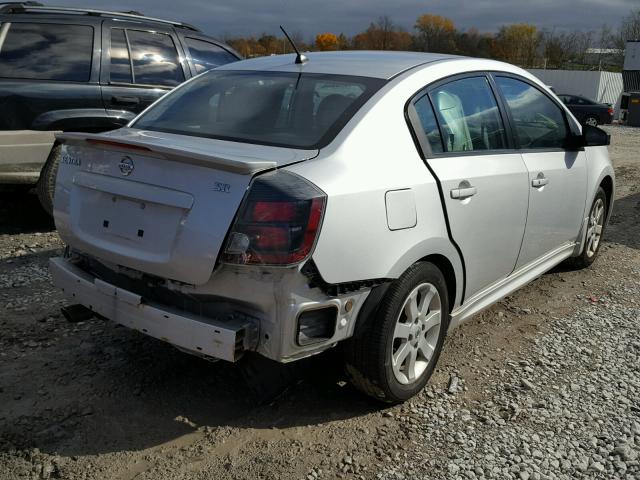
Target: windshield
<point>270,108</point>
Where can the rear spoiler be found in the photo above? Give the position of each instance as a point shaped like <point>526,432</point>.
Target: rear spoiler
<point>231,163</point>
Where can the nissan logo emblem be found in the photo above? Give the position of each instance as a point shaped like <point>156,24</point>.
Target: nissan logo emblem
<point>126,166</point>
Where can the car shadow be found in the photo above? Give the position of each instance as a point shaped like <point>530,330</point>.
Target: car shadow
<point>624,222</point>
<point>21,212</point>
<point>123,391</point>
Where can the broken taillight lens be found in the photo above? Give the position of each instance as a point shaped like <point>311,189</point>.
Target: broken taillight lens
<point>277,223</point>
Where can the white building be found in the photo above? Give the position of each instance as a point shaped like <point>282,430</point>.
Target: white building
<point>603,87</point>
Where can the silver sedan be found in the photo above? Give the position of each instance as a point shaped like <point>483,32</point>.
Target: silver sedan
<point>372,199</point>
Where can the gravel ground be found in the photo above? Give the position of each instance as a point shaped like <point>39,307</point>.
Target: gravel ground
<point>545,384</point>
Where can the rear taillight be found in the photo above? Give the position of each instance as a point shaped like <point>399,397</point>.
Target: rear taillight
<point>277,223</point>
<point>610,110</point>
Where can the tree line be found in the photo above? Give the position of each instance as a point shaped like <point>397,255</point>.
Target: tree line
<point>522,44</point>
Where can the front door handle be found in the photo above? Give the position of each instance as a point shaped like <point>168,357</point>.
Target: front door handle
<point>125,100</point>
<point>540,181</point>
<point>464,190</point>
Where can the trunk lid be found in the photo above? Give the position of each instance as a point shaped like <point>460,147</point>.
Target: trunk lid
<point>156,202</point>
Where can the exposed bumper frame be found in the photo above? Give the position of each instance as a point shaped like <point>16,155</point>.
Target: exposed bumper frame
<point>226,340</point>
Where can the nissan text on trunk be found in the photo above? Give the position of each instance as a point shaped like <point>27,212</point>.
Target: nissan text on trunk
<point>286,205</point>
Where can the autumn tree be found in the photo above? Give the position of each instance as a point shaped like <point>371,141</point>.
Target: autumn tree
<point>435,33</point>
<point>240,45</point>
<point>247,47</point>
<point>561,48</point>
<point>326,41</point>
<point>270,43</point>
<point>517,43</point>
<point>472,43</point>
<point>343,42</point>
<point>382,35</point>
<point>298,39</point>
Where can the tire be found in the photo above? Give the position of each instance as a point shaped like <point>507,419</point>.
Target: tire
<point>593,239</point>
<point>369,353</point>
<point>47,182</point>
<point>591,120</point>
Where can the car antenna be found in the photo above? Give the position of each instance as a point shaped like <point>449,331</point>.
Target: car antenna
<point>300,58</point>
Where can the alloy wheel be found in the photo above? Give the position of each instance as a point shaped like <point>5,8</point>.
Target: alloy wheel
<point>592,121</point>
<point>416,333</point>
<point>594,230</point>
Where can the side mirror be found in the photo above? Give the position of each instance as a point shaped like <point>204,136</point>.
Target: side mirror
<point>595,137</point>
<point>574,142</point>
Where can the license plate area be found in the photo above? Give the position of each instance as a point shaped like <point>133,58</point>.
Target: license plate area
<point>132,226</point>
<point>126,218</point>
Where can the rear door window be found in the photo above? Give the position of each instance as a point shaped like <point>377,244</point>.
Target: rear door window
<point>429,125</point>
<point>538,121</point>
<point>47,51</point>
<point>468,115</point>
<point>120,69</point>
<point>155,59</point>
<point>206,55</point>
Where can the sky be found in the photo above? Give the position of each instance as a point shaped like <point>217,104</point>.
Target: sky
<point>254,17</point>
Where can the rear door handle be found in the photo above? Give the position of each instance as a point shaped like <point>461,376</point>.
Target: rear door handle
<point>541,181</point>
<point>462,193</point>
<point>125,100</point>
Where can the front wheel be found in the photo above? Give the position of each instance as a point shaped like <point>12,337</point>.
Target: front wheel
<point>595,230</point>
<point>395,355</point>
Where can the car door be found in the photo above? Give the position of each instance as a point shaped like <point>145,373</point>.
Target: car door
<point>483,184</point>
<point>557,175</point>
<point>138,67</point>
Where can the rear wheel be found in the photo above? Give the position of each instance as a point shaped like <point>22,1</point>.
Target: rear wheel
<point>595,230</point>
<point>394,357</point>
<point>591,120</point>
<point>47,183</point>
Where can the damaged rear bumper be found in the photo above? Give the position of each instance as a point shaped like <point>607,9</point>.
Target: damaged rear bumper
<point>224,339</point>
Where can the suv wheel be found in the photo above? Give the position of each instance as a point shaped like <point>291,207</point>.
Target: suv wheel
<point>595,230</point>
<point>394,357</point>
<point>47,182</point>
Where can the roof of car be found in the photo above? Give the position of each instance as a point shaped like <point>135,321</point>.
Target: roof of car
<point>31,8</point>
<point>363,63</point>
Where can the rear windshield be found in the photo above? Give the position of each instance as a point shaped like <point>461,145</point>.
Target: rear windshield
<point>270,108</point>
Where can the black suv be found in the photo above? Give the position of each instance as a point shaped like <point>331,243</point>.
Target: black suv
<point>67,69</point>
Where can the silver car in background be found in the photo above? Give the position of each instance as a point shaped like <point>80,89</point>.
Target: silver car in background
<point>371,199</point>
